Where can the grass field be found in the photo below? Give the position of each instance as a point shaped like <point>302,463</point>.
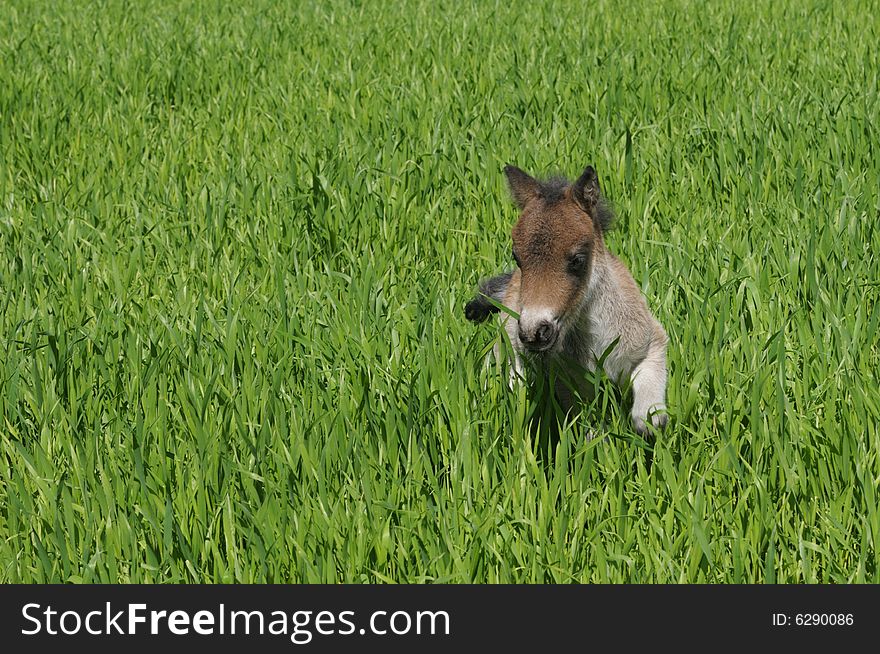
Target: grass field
<point>235,245</point>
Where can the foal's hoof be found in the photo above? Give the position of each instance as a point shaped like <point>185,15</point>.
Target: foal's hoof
<point>658,423</point>
<point>477,310</point>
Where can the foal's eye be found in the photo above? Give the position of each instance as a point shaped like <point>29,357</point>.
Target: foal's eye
<point>577,264</point>
<point>516,258</point>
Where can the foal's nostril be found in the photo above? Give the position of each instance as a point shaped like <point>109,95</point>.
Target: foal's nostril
<point>540,338</point>
<point>544,333</point>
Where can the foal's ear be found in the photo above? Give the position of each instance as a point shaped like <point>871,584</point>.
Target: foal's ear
<point>586,191</point>
<point>523,187</point>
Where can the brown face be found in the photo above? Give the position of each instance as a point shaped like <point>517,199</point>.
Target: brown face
<point>553,245</point>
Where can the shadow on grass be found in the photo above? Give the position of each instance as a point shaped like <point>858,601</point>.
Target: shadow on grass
<point>585,403</point>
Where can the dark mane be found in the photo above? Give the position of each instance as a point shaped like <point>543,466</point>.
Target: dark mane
<point>553,190</point>
<point>604,215</point>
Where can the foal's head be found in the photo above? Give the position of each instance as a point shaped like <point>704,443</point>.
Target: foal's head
<point>554,244</point>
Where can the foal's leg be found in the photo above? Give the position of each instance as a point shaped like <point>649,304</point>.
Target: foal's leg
<point>501,288</point>
<point>515,372</point>
<point>649,388</point>
<point>516,369</point>
<point>480,308</point>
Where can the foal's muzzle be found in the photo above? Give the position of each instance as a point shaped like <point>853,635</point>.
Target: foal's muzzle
<point>539,337</point>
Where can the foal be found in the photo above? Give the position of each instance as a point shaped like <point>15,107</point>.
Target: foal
<point>578,304</point>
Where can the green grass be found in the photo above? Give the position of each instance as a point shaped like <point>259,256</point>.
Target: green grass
<point>235,245</point>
